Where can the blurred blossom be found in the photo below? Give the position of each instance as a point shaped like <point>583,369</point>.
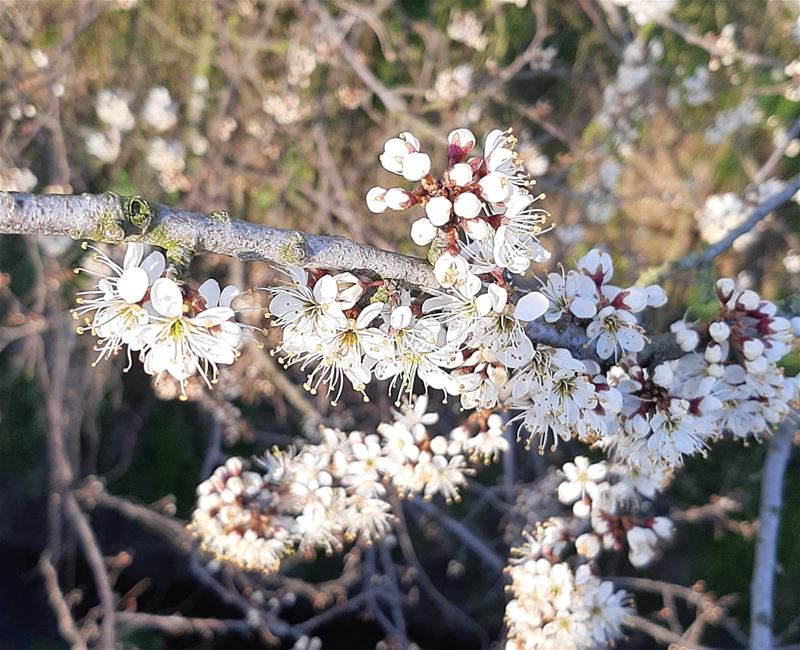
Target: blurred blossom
<point>168,159</point>
<point>224,128</point>
<point>721,214</point>
<point>159,110</point>
<point>286,108</point>
<point>792,262</point>
<point>647,11</point>
<point>452,85</point>
<point>623,100</point>
<point>113,108</point>
<point>696,87</point>
<point>727,43</point>
<point>350,97</point>
<point>465,27</point>
<point>600,208</point>
<point>103,146</point>
<point>39,58</point>
<point>569,234</point>
<point>15,179</point>
<point>534,160</point>
<point>734,119</point>
<point>300,63</point>
<point>541,58</point>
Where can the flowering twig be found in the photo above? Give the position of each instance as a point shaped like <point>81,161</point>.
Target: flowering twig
<point>708,254</point>
<point>114,219</point>
<point>762,587</point>
<point>710,45</point>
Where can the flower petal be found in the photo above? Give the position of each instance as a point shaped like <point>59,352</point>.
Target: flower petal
<point>532,306</point>
<point>166,298</point>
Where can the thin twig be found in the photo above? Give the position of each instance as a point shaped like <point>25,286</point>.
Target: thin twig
<point>94,559</point>
<point>708,254</point>
<point>769,519</point>
<point>66,623</point>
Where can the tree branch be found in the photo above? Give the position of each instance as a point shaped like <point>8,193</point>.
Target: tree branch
<point>709,253</point>
<point>769,520</point>
<point>115,219</point>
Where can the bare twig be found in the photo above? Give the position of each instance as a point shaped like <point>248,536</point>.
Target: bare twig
<point>175,625</point>
<point>94,559</point>
<point>66,622</point>
<point>763,584</point>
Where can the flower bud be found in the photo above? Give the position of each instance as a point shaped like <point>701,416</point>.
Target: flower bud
<point>725,289</point>
<point>467,205</point>
<point>662,375</point>
<point>687,339</point>
<point>477,229</point>
<point>719,331</point>
<point>663,527</point>
<point>459,143</point>
<point>748,299</point>
<point>752,349</point>
<point>423,231</point>
<point>495,187</point>
<point>416,166</point>
<point>439,210</point>
<point>588,545</point>
<point>656,296</point>
<point>397,199</point>
<point>460,174</point>
<point>376,200</point>
<point>713,353</point>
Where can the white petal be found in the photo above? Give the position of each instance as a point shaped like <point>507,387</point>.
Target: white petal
<point>326,290</point>
<point>213,316</point>
<point>583,307</point>
<point>532,306</point>
<point>228,294</point>
<point>133,255</point>
<point>167,298</point>
<point>210,292</point>
<point>132,284</point>
<point>154,264</point>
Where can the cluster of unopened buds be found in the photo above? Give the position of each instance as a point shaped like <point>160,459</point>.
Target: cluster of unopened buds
<point>175,329</point>
<point>335,491</point>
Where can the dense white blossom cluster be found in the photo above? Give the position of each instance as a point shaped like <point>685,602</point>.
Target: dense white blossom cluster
<point>570,359</point>
<point>729,380</point>
<point>557,600</point>
<point>175,329</point>
<point>555,606</point>
<point>335,491</point>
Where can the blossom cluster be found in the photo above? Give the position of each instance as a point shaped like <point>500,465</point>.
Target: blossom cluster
<point>555,606</point>
<point>557,600</point>
<point>175,329</point>
<point>336,490</point>
<point>729,380</point>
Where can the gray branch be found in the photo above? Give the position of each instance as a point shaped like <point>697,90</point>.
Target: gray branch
<point>114,219</point>
<point>710,253</point>
<point>762,588</point>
